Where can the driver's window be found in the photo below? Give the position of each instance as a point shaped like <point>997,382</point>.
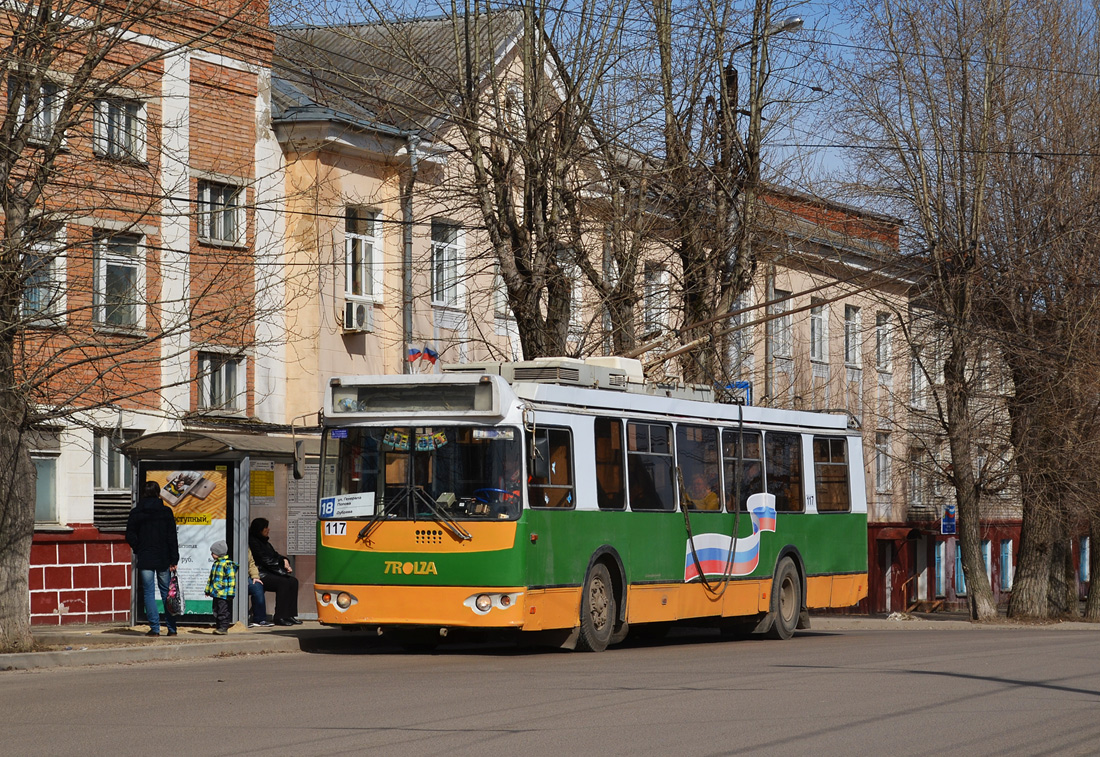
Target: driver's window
<point>550,462</point>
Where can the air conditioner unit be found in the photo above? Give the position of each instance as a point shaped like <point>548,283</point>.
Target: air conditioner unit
<point>358,316</point>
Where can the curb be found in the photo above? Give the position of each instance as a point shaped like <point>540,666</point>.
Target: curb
<point>152,652</point>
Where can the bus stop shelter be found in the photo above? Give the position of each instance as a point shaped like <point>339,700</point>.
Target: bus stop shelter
<point>216,483</point>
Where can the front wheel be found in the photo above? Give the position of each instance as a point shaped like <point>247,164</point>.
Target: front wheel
<point>597,621</point>
<point>786,600</point>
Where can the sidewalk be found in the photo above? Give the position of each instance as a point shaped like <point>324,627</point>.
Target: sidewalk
<point>76,646</point>
<point>79,645</point>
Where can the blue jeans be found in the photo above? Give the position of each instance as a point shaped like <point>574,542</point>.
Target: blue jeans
<point>259,602</point>
<point>150,580</point>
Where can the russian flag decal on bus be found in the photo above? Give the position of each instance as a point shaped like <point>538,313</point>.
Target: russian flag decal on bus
<point>714,549</point>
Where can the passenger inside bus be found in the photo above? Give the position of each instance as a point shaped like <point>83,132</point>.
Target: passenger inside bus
<point>701,493</point>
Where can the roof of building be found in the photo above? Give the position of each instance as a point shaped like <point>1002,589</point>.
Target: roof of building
<point>388,75</point>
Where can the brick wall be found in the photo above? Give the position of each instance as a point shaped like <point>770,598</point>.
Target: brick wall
<point>80,577</point>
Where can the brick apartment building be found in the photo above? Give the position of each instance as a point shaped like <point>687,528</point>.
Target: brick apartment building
<point>157,272</point>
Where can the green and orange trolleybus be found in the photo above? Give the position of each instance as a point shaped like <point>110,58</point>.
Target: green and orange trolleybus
<point>573,496</point>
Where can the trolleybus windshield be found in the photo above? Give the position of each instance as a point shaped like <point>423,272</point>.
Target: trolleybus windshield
<point>416,472</point>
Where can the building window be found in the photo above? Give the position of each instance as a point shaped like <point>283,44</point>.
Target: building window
<point>884,473</point>
<point>120,129</point>
<point>987,549</point>
<point>1083,559</point>
<point>500,294</point>
<point>1007,568</point>
<point>917,478</point>
<point>45,446</point>
<point>112,468</point>
<point>219,213</point>
<point>46,111</point>
<point>883,339</point>
<point>852,345</point>
<point>362,254</point>
<point>819,332</point>
<point>779,325</point>
<point>655,298</point>
<point>960,576</point>
<point>220,382</point>
<point>918,384</point>
<point>120,281</point>
<point>45,489</point>
<point>44,271</point>
<point>740,341</point>
<point>941,551</point>
<point>445,260</point>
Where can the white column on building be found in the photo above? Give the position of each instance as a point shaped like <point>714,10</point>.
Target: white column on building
<point>270,352</point>
<point>175,227</point>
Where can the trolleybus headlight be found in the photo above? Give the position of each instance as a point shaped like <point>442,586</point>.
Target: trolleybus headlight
<point>343,600</point>
<point>505,600</point>
<point>483,603</point>
<point>326,598</point>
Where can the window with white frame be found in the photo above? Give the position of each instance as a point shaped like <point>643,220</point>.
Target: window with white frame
<point>221,382</point>
<point>819,331</point>
<point>883,464</point>
<point>883,339</point>
<point>221,217</point>
<point>46,106</point>
<point>918,384</point>
<point>779,325</point>
<point>852,336</point>
<point>120,129</point>
<point>960,574</point>
<point>941,566</point>
<point>576,302</point>
<point>740,340</point>
<point>655,300</point>
<point>362,254</point>
<point>1007,565</point>
<point>917,478</point>
<point>45,447</point>
<point>1083,573</point>
<point>44,272</point>
<point>112,469</point>
<point>445,262</point>
<point>500,293</point>
<point>120,280</point>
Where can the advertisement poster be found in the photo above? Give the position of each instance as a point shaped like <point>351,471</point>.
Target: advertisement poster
<point>199,499</point>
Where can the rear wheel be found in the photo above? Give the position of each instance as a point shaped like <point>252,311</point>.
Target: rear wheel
<point>597,620</point>
<point>786,600</point>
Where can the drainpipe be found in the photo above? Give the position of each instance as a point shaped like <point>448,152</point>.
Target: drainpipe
<point>407,260</point>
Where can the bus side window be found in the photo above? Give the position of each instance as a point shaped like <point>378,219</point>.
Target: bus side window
<point>610,492</point>
<point>697,456</point>
<point>649,466</point>
<point>551,483</point>
<point>783,458</point>
<point>752,471</point>
<point>831,474</point>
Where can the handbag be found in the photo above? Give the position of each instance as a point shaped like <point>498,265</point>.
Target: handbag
<point>173,603</point>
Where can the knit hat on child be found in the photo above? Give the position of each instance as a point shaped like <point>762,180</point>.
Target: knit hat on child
<point>220,549</point>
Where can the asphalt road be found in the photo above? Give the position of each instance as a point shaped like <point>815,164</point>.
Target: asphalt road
<point>978,691</point>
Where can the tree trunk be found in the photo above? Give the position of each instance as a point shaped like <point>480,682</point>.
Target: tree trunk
<point>17,487</point>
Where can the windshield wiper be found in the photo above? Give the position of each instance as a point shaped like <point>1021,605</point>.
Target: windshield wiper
<point>441,517</point>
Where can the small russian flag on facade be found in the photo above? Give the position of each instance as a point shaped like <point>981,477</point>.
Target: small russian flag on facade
<point>415,354</point>
<point>430,355</point>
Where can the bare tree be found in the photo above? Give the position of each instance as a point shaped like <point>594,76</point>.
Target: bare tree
<point>79,175</point>
<point>923,97</point>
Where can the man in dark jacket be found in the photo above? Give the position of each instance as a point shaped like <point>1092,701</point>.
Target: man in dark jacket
<point>151,532</point>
